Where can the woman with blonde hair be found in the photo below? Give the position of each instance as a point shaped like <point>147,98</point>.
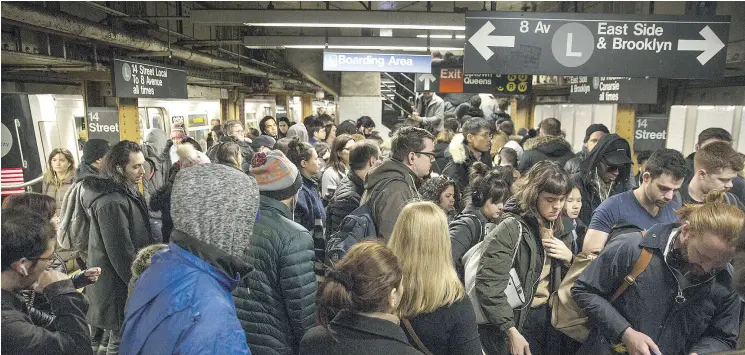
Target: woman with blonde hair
<point>441,315</point>
<point>59,176</point>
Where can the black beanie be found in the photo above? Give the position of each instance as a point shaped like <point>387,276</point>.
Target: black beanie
<point>595,127</point>
<point>94,149</point>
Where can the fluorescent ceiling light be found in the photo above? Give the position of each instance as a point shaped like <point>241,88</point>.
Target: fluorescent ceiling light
<point>360,25</point>
<point>442,36</point>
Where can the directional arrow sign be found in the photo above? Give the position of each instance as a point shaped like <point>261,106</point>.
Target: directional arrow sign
<point>585,44</point>
<point>426,79</point>
<point>482,40</point>
<point>710,45</point>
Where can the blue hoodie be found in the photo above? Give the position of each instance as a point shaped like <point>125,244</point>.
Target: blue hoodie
<point>182,305</point>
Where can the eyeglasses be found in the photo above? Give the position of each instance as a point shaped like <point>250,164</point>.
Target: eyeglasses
<point>431,155</point>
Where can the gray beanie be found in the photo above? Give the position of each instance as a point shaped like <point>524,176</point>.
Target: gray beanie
<point>217,205</point>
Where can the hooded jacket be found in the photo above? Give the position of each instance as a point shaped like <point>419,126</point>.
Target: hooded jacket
<point>119,226</point>
<point>544,148</point>
<point>706,322</point>
<point>388,188</point>
<point>460,159</point>
<point>587,175</point>
<point>156,167</point>
<point>441,157</point>
<point>276,303</point>
<point>573,165</point>
<point>182,303</point>
<point>246,151</point>
<point>346,199</point>
<point>187,308</point>
<point>493,274</point>
<point>309,209</point>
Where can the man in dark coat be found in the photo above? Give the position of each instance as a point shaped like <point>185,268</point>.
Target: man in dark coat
<point>276,303</point>
<point>468,148</point>
<point>605,172</point>
<point>119,227</point>
<point>549,145</point>
<point>28,241</point>
<point>681,304</point>
<point>592,136</point>
<point>362,158</point>
<point>395,182</point>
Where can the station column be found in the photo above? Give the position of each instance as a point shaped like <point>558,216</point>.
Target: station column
<point>360,96</point>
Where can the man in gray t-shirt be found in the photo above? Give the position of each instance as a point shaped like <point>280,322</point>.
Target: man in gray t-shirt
<point>651,203</point>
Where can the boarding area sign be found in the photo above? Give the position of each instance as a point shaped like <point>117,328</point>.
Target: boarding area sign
<point>658,46</point>
<point>369,62</point>
<point>135,78</point>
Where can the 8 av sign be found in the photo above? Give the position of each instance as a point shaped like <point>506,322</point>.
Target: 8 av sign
<point>659,46</point>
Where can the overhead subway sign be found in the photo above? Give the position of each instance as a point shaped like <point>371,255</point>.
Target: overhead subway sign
<point>660,46</point>
<point>368,62</point>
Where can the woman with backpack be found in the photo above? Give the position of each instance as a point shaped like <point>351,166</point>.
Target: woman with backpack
<point>488,192</point>
<point>523,262</point>
<point>436,313</point>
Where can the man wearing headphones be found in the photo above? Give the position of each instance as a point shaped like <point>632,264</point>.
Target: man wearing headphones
<point>28,241</point>
<point>120,226</point>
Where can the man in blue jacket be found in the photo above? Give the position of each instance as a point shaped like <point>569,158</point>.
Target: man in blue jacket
<point>182,303</point>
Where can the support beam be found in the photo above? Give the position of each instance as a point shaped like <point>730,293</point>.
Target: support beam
<point>307,103</point>
<point>129,123</point>
<point>625,116</point>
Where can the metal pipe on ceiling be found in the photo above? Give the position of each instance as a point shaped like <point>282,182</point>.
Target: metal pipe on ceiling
<point>64,23</point>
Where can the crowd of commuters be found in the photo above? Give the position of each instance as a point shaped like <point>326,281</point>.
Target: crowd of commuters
<point>476,239</point>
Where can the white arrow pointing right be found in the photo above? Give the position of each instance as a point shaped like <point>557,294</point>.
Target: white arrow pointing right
<point>481,40</point>
<point>710,45</point>
<point>427,78</point>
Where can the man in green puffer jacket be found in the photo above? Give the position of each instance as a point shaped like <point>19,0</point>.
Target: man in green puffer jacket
<point>276,303</point>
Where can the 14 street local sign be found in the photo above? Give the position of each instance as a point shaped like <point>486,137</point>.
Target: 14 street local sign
<point>658,46</point>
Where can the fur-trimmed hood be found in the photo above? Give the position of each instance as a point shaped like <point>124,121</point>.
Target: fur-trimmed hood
<point>552,146</point>
<point>457,149</point>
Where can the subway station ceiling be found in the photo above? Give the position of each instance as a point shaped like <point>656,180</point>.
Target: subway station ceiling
<point>62,39</point>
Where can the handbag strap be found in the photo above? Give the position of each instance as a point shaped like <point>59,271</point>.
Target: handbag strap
<point>519,239</point>
<point>418,342</point>
<point>639,267</point>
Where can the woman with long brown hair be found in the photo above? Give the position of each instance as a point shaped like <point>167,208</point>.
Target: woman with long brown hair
<point>59,176</point>
<point>531,245</point>
<point>338,165</point>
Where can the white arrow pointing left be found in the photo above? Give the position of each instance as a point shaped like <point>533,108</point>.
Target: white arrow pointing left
<point>481,40</point>
<point>710,45</point>
<point>427,78</point>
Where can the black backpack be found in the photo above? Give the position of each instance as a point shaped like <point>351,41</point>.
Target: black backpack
<point>355,227</point>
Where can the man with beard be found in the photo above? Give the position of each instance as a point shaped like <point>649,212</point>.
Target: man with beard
<point>682,302</point>
<point>651,203</point>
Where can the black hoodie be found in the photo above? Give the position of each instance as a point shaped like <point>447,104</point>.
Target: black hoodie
<point>587,175</point>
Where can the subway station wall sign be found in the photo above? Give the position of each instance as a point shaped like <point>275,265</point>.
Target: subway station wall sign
<point>613,90</point>
<point>658,46</point>
<point>103,123</point>
<point>452,79</point>
<point>650,132</point>
<point>369,62</point>
<point>136,78</point>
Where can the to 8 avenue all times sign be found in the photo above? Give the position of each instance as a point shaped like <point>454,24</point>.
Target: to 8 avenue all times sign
<point>657,46</point>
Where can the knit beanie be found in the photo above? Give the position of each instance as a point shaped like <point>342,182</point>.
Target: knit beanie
<point>595,127</point>
<point>178,130</point>
<point>95,149</point>
<point>217,205</point>
<point>298,130</point>
<point>276,175</point>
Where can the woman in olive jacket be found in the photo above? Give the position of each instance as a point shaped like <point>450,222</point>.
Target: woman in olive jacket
<point>541,258</point>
